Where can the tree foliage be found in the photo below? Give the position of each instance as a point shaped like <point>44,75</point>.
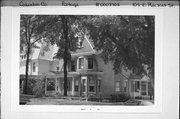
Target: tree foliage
<point>31,32</point>
<point>64,31</point>
<point>125,40</point>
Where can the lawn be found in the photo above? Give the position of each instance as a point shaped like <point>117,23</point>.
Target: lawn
<point>31,100</point>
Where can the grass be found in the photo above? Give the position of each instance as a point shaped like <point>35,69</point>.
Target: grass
<point>32,100</point>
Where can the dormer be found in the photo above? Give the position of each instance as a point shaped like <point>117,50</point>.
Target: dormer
<point>80,43</point>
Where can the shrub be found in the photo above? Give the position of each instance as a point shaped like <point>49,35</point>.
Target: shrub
<point>119,97</point>
<point>30,85</point>
<point>138,97</point>
<point>93,98</point>
<point>39,88</point>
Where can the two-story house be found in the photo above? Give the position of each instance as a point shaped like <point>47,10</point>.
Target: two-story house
<point>87,73</point>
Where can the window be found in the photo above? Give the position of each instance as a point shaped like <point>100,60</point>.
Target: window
<point>80,44</point>
<point>57,68</point>
<point>73,66</point>
<point>117,86</point>
<point>21,56</point>
<point>92,85</point>
<point>24,56</point>
<point>99,85</point>
<point>50,84</point>
<point>34,67</point>
<point>83,85</point>
<point>90,63</point>
<point>81,63</point>
<point>68,85</point>
<point>76,85</point>
<point>137,86</point>
<point>125,86</point>
<point>143,90</point>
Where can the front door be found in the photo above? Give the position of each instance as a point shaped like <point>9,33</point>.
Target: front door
<point>84,85</point>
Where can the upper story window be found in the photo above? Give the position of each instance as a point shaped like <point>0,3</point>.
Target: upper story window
<point>73,65</point>
<point>90,63</point>
<point>23,56</point>
<point>81,63</point>
<point>34,67</point>
<point>80,43</point>
<point>57,68</point>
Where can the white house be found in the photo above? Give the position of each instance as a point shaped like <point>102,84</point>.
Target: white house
<point>87,73</point>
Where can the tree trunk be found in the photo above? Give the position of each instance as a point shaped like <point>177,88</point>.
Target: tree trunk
<point>26,73</point>
<point>151,87</point>
<point>65,32</point>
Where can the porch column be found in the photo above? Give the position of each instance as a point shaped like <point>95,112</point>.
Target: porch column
<point>140,88</point>
<point>146,88</point>
<point>96,84</point>
<point>72,86</point>
<point>134,88</point>
<point>87,86</point>
<point>56,85</point>
<point>80,86</point>
<point>45,85</point>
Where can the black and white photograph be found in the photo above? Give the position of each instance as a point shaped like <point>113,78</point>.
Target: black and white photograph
<point>87,60</point>
<point>90,60</point>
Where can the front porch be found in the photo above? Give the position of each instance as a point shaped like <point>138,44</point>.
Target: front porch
<point>78,84</point>
<point>140,88</point>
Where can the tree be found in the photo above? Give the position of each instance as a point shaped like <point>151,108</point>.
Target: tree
<point>31,32</point>
<point>64,31</point>
<point>127,41</point>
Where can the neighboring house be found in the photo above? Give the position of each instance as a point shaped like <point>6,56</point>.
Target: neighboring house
<point>87,74</point>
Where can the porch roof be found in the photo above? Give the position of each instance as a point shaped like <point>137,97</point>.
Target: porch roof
<point>22,76</point>
<point>139,77</point>
<point>74,74</point>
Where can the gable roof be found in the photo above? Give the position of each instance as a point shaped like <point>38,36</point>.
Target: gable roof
<point>87,47</point>
<point>49,54</point>
<point>39,53</point>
